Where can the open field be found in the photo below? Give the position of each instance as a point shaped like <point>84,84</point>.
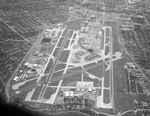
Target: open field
<point>74,36</point>
<point>36,93</point>
<point>107,50</point>
<point>74,25</point>
<point>89,65</point>
<point>56,52</point>
<point>64,33</point>
<point>60,41</point>
<point>106,96</point>
<point>97,83</point>
<point>28,84</point>
<point>107,32</point>
<point>60,66</point>
<point>96,71</point>
<point>54,83</point>
<point>51,49</point>
<point>49,91</point>
<point>64,56</point>
<point>72,78</point>
<point>21,96</point>
<point>71,70</point>
<point>43,79</point>
<point>57,74</point>
<point>49,66</point>
<point>67,44</point>
<point>70,34</point>
<point>106,79</point>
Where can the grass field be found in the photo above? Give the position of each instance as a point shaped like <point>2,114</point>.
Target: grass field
<point>21,96</point>
<point>96,82</point>
<point>60,41</point>
<point>67,44</point>
<point>72,42</point>
<point>96,71</point>
<point>64,32</point>
<point>71,70</point>
<point>70,34</point>
<point>49,91</point>
<point>54,83</point>
<point>28,84</point>
<point>106,96</point>
<point>106,40</point>
<point>51,49</point>
<point>57,74</point>
<point>59,33</point>
<point>43,79</point>
<point>71,78</point>
<point>74,25</point>
<point>102,40</point>
<point>89,65</point>
<point>107,32</point>
<point>36,93</point>
<point>60,66</point>
<point>64,56</point>
<point>107,48</point>
<point>49,66</point>
<point>55,53</point>
<point>106,79</point>
<point>74,36</point>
